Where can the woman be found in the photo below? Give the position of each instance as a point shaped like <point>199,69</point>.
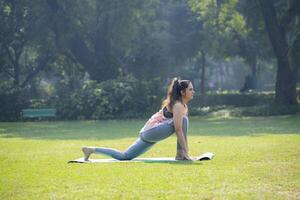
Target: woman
<point>171,118</point>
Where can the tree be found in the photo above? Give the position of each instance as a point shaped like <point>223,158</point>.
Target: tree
<point>221,23</point>
<point>20,48</point>
<point>89,32</point>
<point>284,35</point>
<point>111,37</point>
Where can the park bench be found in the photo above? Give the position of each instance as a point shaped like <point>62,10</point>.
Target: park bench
<point>38,112</point>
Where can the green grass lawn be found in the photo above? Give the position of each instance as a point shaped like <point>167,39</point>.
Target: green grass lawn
<point>256,158</point>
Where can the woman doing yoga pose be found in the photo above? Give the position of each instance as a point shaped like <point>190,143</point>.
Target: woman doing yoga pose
<point>173,117</point>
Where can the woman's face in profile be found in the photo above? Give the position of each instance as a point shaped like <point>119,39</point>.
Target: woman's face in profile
<point>189,92</point>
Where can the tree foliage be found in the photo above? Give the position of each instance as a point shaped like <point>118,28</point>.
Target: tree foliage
<point>50,49</point>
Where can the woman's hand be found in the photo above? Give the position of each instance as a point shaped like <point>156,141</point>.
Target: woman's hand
<point>186,156</point>
<point>182,155</point>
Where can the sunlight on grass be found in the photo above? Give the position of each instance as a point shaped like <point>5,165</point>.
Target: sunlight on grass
<point>256,158</point>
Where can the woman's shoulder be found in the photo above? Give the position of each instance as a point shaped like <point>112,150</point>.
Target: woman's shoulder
<point>178,105</point>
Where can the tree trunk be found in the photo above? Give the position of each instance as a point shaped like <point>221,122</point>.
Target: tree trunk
<point>14,56</point>
<point>203,65</point>
<point>221,77</point>
<point>286,74</point>
<point>254,67</point>
<point>41,64</point>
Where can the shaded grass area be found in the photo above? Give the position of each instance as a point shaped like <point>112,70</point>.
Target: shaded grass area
<point>256,158</point>
<point>116,129</point>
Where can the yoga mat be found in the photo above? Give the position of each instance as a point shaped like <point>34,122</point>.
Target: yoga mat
<point>205,156</point>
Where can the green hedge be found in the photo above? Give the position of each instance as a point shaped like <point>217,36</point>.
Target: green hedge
<point>11,104</point>
<point>127,97</point>
<point>241,104</point>
<point>124,97</point>
<point>238,99</point>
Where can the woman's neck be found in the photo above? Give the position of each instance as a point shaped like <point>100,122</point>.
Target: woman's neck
<point>184,101</point>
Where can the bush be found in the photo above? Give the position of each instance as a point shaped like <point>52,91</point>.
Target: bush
<point>127,97</point>
<point>124,97</point>
<point>12,103</point>
<point>238,99</point>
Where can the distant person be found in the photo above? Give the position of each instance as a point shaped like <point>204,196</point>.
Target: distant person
<point>249,84</point>
<point>173,117</point>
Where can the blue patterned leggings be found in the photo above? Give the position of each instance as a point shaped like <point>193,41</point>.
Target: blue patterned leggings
<point>146,140</point>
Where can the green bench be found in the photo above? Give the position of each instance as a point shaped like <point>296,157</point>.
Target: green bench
<point>38,112</point>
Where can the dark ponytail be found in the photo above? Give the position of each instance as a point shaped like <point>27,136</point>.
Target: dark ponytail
<point>174,92</point>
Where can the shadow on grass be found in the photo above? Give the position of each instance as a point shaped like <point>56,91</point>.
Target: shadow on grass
<point>118,129</point>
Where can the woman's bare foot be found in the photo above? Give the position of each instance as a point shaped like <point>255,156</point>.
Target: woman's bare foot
<point>87,151</point>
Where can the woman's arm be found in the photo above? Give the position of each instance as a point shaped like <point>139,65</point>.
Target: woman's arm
<point>178,113</point>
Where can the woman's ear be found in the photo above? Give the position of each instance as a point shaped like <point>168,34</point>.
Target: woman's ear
<point>182,92</point>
